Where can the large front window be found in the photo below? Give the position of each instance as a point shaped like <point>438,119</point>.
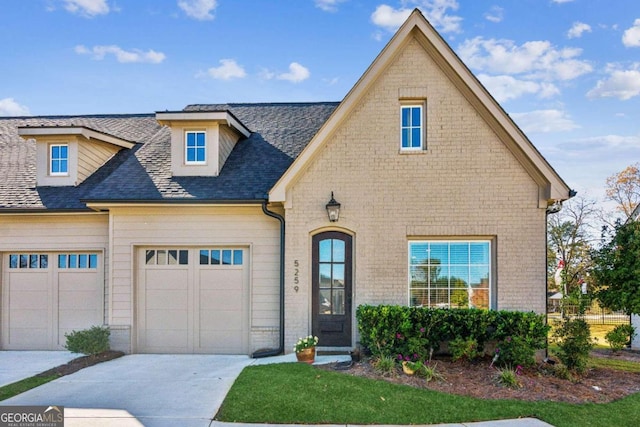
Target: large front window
<point>196,147</point>
<point>450,274</point>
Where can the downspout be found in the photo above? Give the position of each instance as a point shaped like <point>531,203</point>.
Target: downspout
<point>280,349</point>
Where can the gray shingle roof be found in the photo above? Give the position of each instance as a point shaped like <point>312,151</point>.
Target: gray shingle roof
<point>143,173</point>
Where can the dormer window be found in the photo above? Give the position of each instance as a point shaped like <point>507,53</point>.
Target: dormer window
<point>195,147</point>
<point>59,159</point>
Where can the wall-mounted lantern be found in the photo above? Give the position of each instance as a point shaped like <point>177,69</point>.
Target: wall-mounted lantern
<point>333,209</point>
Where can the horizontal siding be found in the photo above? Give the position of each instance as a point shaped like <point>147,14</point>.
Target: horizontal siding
<point>227,140</point>
<point>91,156</point>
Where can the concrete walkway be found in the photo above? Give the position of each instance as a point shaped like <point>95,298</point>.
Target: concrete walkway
<point>155,390</point>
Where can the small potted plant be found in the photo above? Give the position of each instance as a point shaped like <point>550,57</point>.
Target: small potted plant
<point>305,349</point>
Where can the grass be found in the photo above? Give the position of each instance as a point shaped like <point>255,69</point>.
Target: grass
<point>298,393</point>
<point>21,386</point>
<point>621,365</point>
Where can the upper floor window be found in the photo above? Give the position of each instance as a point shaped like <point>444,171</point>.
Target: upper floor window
<point>195,147</point>
<point>59,159</point>
<point>412,127</point>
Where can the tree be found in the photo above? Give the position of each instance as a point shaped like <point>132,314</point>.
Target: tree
<point>623,188</point>
<point>617,269</point>
<point>569,236</point>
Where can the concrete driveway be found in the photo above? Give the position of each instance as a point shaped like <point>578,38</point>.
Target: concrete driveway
<point>17,365</point>
<point>141,390</point>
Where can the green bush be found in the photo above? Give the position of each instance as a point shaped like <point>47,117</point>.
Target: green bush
<point>514,351</point>
<point>411,333</point>
<point>464,349</point>
<point>573,337</point>
<point>620,337</point>
<point>88,341</point>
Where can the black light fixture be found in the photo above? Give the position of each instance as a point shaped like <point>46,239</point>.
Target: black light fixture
<point>333,209</point>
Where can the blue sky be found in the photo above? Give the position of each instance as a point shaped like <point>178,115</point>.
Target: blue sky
<point>567,71</point>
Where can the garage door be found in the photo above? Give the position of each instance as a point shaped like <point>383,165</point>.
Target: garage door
<point>193,300</point>
<point>45,295</point>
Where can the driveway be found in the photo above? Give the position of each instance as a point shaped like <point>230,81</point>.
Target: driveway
<point>17,365</point>
<point>142,390</point>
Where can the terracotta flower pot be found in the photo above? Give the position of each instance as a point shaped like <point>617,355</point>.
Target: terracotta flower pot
<point>308,355</point>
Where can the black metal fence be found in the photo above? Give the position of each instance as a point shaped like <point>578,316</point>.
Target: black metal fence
<point>592,315</point>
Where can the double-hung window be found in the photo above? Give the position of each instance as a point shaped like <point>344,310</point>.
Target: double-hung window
<point>450,274</point>
<point>59,159</point>
<point>412,127</point>
<point>195,147</point>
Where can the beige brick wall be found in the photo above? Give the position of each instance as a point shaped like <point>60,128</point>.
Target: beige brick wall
<point>466,184</point>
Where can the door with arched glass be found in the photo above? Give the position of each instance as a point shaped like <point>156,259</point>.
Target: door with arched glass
<point>332,288</point>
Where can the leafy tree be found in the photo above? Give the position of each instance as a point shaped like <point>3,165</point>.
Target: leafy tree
<point>569,236</point>
<point>623,188</point>
<point>617,269</point>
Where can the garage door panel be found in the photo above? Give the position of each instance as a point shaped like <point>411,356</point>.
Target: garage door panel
<point>221,300</point>
<point>220,279</point>
<point>167,340</point>
<point>194,308</point>
<point>167,300</point>
<point>45,299</point>
<point>224,342</point>
<point>164,278</point>
<point>29,319</point>
<point>167,319</point>
<point>232,320</point>
<point>29,338</point>
<point>28,300</point>
<point>29,281</point>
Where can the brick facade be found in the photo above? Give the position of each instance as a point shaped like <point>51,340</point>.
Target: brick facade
<point>466,184</point>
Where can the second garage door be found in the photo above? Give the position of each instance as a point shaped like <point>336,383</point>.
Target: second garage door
<point>193,300</point>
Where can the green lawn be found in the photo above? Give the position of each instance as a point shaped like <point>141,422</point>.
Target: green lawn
<point>21,386</point>
<point>298,393</point>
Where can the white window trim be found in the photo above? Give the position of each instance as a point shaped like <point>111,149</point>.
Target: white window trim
<point>491,263</point>
<point>421,106</point>
<point>51,172</point>
<point>195,162</point>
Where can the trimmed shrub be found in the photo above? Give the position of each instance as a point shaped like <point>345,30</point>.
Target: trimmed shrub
<point>514,351</point>
<point>573,337</point>
<point>411,333</point>
<point>464,349</point>
<point>88,341</point>
<point>620,337</point>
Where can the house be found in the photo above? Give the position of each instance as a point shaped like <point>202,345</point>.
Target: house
<point>238,228</point>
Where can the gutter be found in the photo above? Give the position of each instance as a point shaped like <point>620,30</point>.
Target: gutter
<point>280,349</point>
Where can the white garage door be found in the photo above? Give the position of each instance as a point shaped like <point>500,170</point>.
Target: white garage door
<point>45,295</point>
<point>193,301</point>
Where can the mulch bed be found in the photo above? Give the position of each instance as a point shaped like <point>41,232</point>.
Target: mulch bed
<point>81,362</point>
<point>598,385</point>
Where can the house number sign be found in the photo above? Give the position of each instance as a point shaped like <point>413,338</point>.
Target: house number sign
<point>296,274</point>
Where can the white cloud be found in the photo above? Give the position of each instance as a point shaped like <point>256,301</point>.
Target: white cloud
<point>121,55</point>
<point>534,59</point>
<point>436,11</point>
<point>199,9</point>
<point>9,107</point>
<point>328,5</point>
<point>296,74</point>
<point>544,121</point>
<point>504,88</point>
<point>621,84</point>
<point>562,1</point>
<point>631,37</point>
<point>229,69</point>
<point>496,14</point>
<point>577,29</point>
<point>88,8</point>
